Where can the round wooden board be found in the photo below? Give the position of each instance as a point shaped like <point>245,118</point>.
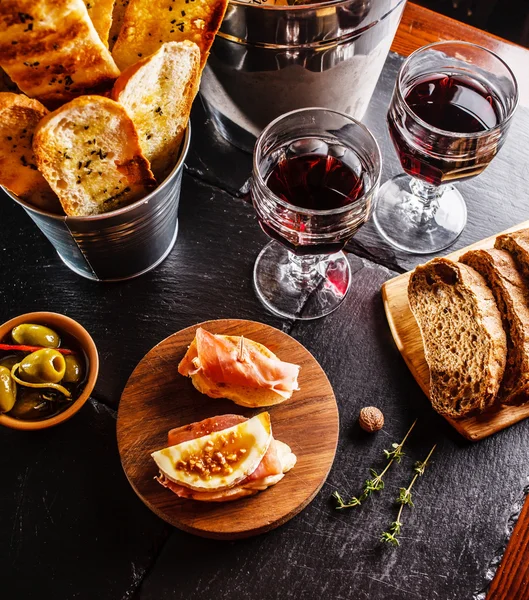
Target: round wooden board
<point>156,399</point>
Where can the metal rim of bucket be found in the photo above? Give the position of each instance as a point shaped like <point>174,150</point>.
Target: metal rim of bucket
<point>183,154</point>
<point>293,7</point>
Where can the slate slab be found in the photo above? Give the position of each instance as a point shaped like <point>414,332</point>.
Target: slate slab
<point>71,526</point>
<point>463,502</point>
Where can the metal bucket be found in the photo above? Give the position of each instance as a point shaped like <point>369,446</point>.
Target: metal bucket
<point>121,244</point>
<point>269,60</point>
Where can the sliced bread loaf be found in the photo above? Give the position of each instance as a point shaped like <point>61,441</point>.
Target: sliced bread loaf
<point>512,297</point>
<point>464,341</point>
<point>517,244</point>
<point>89,152</point>
<point>19,116</point>
<point>157,92</point>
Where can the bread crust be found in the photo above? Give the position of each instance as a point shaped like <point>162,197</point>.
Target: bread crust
<point>51,49</point>
<point>158,92</point>
<point>88,151</point>
<point>512,297</point>
<point>147,25</point>
<point>19,116</point>
<point>464,341</point>
<point>517,244</point>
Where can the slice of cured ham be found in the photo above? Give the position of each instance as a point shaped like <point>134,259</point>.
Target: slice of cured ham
<point>232,360</point>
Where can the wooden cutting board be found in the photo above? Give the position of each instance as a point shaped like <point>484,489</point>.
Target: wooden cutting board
<point>408,339</point>
<point>156,399</point>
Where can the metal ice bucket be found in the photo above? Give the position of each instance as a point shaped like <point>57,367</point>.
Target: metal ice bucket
<point>123,243</point>
<point>269,60</point>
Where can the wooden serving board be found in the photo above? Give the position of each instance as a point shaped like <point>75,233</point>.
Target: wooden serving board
<point>408,339</point>
<point>156,399</point>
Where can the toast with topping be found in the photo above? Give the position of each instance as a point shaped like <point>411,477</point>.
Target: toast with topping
<point>100,13</point>
<point>118,14</point>
<point>157,92</point>
<point>147,25</point>
<point>464,341</point>
<point>89,152</point>
<point>512,297</point>
<point>51,49</point>
<point>19,116</point>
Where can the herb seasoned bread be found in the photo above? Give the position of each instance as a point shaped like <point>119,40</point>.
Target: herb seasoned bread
<point>512,297</point>
<point>100,13</point>
<point>118,14</point>
<point>89,152</point>
<point>517,244</point>
<point>147,25</point>
<point>464,341</point>
<point>157,92</point>
<point>19,116</point>
<point>51,49</point>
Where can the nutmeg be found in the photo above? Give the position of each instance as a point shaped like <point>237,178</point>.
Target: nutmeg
<point>371,419</point>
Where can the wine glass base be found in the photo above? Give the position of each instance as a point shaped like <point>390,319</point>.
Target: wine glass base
<point>397,217</point>
<point>286,291</point>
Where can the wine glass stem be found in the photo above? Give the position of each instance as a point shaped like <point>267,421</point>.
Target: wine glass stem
<point>428,196</point>
<point>303,268</point>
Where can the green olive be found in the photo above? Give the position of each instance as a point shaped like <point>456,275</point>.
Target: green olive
<point>8,390</point>
<point>30,334</point>
<point>29,406</point>
<point>74,369</point>
<point>43,366</point>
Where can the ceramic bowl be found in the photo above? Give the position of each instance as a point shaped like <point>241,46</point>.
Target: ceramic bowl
<point>61,323</point>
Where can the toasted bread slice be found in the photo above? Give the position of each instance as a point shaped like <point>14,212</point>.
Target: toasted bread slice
<point>158,92</point>
<point>51,49</point>
<point>147,25</point>
<point>19,116</point>
<point>512,297</point>
<point>464,341</point>
<point>100,13</point>
<point>118,14</point>
<point>89,152</point>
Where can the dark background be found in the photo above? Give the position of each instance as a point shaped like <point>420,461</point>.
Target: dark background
<point>508,19</point>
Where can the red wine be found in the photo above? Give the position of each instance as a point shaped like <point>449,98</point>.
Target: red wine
<point>455,104</point>
<point>315,181</point>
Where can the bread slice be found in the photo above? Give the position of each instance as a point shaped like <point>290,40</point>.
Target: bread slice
<point>100,13</point>
<point>89,152</point>
<point>6,84</point>
<point>51,49</point>
<point>464,341</point>
<point>147,25</point>
<point>118,14</point>
<point>517,244</point>
<point>19,116</point>
<point>158,92</point>
<point>512,297</point>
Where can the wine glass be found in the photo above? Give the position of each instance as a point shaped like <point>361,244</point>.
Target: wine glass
<point>451,108</point>
<point>315,176</point>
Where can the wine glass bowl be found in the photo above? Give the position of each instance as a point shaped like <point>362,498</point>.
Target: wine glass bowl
<point>314,183</point>
<point>449,115</point>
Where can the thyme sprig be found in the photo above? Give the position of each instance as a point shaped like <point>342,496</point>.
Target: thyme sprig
<point>404,499</point>
<point>377,482</point>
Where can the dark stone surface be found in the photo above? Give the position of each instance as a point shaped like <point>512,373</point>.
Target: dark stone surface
<point>71,527</point>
